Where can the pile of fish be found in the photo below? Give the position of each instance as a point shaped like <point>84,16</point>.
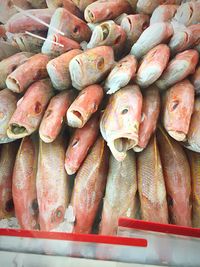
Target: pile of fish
<point>84,86</point>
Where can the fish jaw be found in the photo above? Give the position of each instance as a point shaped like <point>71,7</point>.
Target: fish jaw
<point>16,131</point>
<point>117,81</point>
<point>76,71</point>
<point>96,38</point>
<point>12,82</point>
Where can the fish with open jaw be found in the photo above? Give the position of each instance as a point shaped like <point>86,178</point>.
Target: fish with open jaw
<point>102,10</point>
<point>8,9</point>
<point>121,119</point>
<point>182,65</point>
<point>122,73</point>
<point>195,79</point>
<point>152,65</point>
<point>120,196</point>
<point>52,183</point>
<point>58,70</point>
<point>177,178</point>
<point>9,64</point>
<point>24,184</point>
<point>30,71</point>
<point>134,25</point>
<point>52,121</point>
<point>89,187</point>
<point>155,34</point>
<point>148,7</point>
<point>150,115</point>
<point>82,4</point>
<point>72,27</point>
<point>194,159</point>
<point>86,103</point>
<point>151,185</point>
<point>91,66</point>
<point>177,109</point>
<point>188,13</point>
<point>163,13</point>
<point>30,110</point>
<point>7,160</point>
<point>67,4</point>
<point>193,135</point>
<point>55,50</point>
<point>8,106</point>
<point>110,34</point>
<point>21,22</point>
<point>25,42</point>
<point>81,141</point>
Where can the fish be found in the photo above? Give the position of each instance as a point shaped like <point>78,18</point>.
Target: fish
<point>182,65</point>
<point>178,107</point>
<point>150,115</point>
<point>91,66</point>
<point>8,106</point>
<point>134,25</point>
<point>195,29</point>
<point>24,184</point>
<point>8,9</point>
<point>58,70</point>
<point>72,26</point>
<point>152,65</point>
<point>64,44</point>
<point>110,34</point>
<point>8,65</point>
<point>120,121</point>
<point>151,184</point>
<point>38,3</point>
<point>89,187</point>
<point>30,110</point>
<point>188,13</point>
<point>163,13</point>
<point>177,178</point>
<point>7,50</point>
<point>148,7</point>
<point>26,43</point>
<point>102,10</point>
<point>67,4</point>
<point>30,71</point>
<point>119,19</point>
<point>120,195</point>
<point>7,160</point>
<point>82,4</point>
<point>20,23</point>
<point>52,121</point>
<point>52,183</point>
<point>194,160</point>
<point>80,144</point>
<point>123,72</point>
<point>155,34</point>
<point>85,104</point>
<point>192,139</point>
<point>195,79</point>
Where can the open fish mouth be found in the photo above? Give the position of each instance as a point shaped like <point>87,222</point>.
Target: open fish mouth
<point>177,135</point>
<point>17,131</point>
<point>121,144</point>
<point>46,138</point>
<point>75,119</point>
<point>13,84</point>
<point>90,15</point>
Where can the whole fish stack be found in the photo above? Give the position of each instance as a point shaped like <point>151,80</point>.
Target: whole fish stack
<point>107,91</point>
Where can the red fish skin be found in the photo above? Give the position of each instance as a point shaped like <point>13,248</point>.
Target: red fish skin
<point>52,183</point>
<point>7,160</point>
<point>32,70</point>
<point>177,177</point>
<point>177,109</point>
<point>82,4</point>
<point>150,115</point>
<point>24,184</point>
<point>105,10</point>
<point>195,79</point>
<point>30,109</point>
<point>86,103</point>
<point>52,121</point>
<point>80,143</point>
<point>89,187</point>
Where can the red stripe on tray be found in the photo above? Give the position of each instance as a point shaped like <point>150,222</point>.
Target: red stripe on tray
<point>159,227</point>
<point>91,238</point>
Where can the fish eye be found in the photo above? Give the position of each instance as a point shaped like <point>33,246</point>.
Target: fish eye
<point>76,30</point>
<point>174,105</point>
<point>58,213</point>
<point>100,64</point>
<point>124,111</point>
<point>75,142</point>
<point>38,107</point>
